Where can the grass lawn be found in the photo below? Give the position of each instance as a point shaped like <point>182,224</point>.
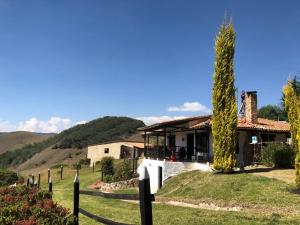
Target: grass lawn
<point>245,190</point>
<point>194,189</point>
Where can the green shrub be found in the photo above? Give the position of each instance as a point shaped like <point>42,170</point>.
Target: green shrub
<point>20,205</point>
<point>85,161</point>
<point>8,177</point>
<point>107,164</point>
<point>108,178</point>
<point>123,171</point>
<point>56,166</point>
<point>76,165</point>
<point>278,154</point>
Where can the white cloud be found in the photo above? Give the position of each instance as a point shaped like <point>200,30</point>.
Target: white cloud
<point>190,107</point>
<point>52,125</point>
<point>6,126</point>
<point>148,120</point>
<point>81,122</point>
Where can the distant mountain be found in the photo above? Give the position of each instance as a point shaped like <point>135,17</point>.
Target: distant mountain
<point>78,137</point>
<point>14,140</point>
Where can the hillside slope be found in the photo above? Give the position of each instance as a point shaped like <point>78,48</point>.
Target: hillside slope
<point>15,140</point>
<point>79,137</point>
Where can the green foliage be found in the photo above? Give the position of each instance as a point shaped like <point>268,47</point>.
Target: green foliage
<point>295,85</point>
<point>21,205</point>
<point>278,154</point>
<point>107,164</point>
<point>123,171</point>
<point>272,112</point>
<point>76,165</point>
<point>224,120</point>
<point>85,162</point>
<point>8,177</point>
<point>292,106</point>
<point>57,166</point>
<point>95,132</point>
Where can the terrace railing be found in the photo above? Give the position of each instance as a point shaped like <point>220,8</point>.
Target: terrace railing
<point>180,153</point>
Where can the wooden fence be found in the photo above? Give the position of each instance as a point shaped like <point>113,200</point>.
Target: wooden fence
<point>145,200</point>
<point>144,197</point>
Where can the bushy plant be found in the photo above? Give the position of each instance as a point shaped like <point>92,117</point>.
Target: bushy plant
<point>123,171</point>
<point>8,177</point>
<point>278,154</point>
<point>107,165</point>
<point>20,205</point>
<point>57,166</point>
<point>85,161</point>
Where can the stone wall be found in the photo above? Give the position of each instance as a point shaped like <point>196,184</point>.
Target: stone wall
<point>109,187</point>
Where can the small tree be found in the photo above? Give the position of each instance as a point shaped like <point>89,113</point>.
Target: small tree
<point>292,105</point>
<point>107,164</point>
<point>224,120</point>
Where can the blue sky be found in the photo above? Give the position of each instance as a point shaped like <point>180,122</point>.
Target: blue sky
<point>63,62</point>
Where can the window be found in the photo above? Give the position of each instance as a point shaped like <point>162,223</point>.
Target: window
<point>106,150</point>
<point>266,137</point>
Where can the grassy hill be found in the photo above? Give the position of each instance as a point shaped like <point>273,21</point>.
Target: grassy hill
<point>228,190</point>
<point>68,141</point>
<point>18,139</point>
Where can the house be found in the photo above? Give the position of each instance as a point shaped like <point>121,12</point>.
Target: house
<point>118,149</point>
<point>190,141</point>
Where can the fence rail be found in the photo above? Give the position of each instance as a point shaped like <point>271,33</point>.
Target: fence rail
<point>100,219</point>
<point>111,195</point>
<point>145,198</point>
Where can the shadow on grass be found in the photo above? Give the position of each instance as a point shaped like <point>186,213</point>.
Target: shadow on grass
<point>294,191</point>
<point>258,170</point>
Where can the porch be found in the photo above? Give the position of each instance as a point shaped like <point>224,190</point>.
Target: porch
<point>179,140</point>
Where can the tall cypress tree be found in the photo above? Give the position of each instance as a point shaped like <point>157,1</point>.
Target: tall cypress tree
<point>292,105</point>
<point>224,120</point>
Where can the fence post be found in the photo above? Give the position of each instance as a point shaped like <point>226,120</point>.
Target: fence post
<point>77,169</point>
<point>49,174</point>
<point>93,167</point>
<point>50,184</point>
<point>61,172</point>
<point>28,182</point>
<point>39,181</point>
<point>102,173</point>
<point>33,186</point>
<point>133,165</point>
<point>145,196</point>
<point>76,200</point>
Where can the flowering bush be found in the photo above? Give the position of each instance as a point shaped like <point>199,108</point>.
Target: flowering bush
<point>24,206</point>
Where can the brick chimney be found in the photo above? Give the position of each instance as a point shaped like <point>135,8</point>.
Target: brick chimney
<point>251,106</point>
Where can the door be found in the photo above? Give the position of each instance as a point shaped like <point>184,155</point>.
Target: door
<point>202,145</point>
<point>190,145</point>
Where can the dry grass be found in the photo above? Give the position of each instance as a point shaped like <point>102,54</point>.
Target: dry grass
<point>286,175</point>
<point>51,157</point>
<point>14,140</point>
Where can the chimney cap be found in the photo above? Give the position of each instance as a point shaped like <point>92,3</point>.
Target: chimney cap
<point>251,92</point>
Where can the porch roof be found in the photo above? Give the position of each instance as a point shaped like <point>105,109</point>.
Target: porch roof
<point>177,125</point>
<point>204,122</point>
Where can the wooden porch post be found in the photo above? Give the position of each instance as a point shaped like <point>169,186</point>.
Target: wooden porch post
<point>195,132</point>
<point>165,142</point>
<point>145,147</point>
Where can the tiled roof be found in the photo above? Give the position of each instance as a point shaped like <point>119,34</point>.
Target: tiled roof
<point>205,122</point>
<point>265,124</point>
<point>261,124</point>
